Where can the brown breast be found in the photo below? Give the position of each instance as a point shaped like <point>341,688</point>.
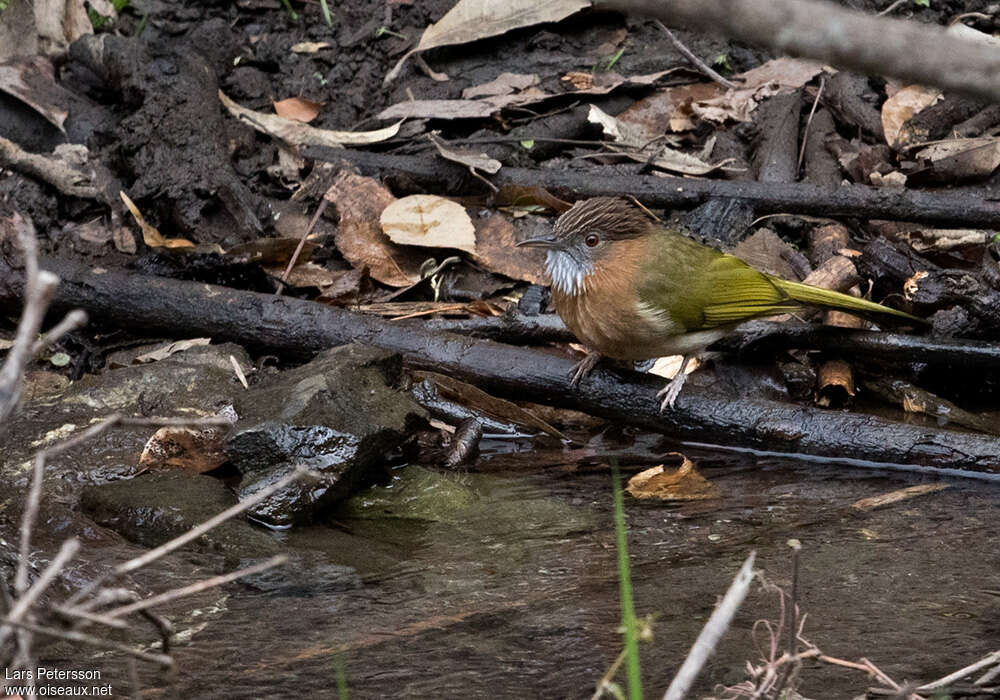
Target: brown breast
<point>606,316</point>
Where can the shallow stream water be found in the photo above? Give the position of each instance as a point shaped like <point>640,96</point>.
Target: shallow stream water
<point>501,582</point>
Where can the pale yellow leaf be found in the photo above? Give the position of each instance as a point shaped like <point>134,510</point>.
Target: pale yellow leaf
<point>429,221</point>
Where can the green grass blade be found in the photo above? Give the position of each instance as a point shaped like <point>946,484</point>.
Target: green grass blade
<point>632,670</point>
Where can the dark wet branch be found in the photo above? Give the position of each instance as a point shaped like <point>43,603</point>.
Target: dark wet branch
<point>860,201</point>
<point>846,38</point>
<point>757,337</point>
<point>299,327</point>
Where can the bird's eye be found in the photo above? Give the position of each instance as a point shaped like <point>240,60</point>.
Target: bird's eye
<point>592,239</point>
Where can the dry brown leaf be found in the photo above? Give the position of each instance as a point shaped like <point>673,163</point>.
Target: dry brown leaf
<point>669,109</point>
<point>298,134</point>
<point>529,196</point>
<point>681,484</point>
<point>197,450</point>
<point>465,156</point>
<point>635,144</point>
<point>152,237</point>
<point>900,108</point>
<point>461,109</point>
<point>470,20</point>
<point>59,23</point>
<point>503,84</point>
<point>495,239</point>
<point>304,274</point>
<point>297,108</point>
<point>165,351</point>
<point>360,201</point>
<point>778,75</point>
<point>33,81</point>
<point>429,221</point>
<point>348,289</point>
<point>958,159</point>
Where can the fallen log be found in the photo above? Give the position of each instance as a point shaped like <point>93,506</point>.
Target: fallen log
<point>970,206</point>
<point>298,327</point>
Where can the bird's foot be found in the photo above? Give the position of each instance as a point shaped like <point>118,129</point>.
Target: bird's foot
<point>672,390</point>
<point>584,367</point>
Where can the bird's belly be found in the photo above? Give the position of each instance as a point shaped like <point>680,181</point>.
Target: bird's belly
<point>624,333</point>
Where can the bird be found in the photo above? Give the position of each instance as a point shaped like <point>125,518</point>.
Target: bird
<point>632,289</point>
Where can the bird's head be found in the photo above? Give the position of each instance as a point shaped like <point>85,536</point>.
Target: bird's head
<point>586,238</point>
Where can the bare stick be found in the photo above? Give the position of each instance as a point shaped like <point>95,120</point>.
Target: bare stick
<point>845,38</point>
<point>712,632</point>
<point>38,295</point>
<point>302,244</point>
<point>197,587</point>
<point>92,617</point>
<point>28,523</point>
<point>961,673</point>
<point>73,636</point>
<point>76,318</point>
<point>698,63</point>
<point>24,602</point>
<point>888,10</point>
<point>181,540</point>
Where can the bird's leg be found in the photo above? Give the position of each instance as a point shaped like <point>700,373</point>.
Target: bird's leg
<point>672,390</point>
<point>584,367</point>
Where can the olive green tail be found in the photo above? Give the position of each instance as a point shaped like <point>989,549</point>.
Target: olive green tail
<point>828,299</point>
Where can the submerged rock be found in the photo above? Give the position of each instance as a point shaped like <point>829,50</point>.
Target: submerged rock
<point>154,508</point>
<point>338,415</point>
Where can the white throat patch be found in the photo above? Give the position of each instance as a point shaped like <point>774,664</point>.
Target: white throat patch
<point>569,277</point>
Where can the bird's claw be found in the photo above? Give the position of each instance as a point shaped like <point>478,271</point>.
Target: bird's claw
<point>584,367</point>
<point>672,390</point>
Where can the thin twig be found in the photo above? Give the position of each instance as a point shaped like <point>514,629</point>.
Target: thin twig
<point>76,318</point>
<point>92,617</point>
<point>302,244</point>
<point>74,636</point>
<point>962,673</point>
<point>699,64</point>
<point>809,121</point>
<point>197,587</point>
<point>24,602</point>
<point>889,9</point>
<point>28,524</point>
<point>181,540</point>
<point>712,632</point>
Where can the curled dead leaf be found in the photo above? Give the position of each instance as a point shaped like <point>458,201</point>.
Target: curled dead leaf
<point>360,201</point>
<point>681,484</point>
<point>470,20</point>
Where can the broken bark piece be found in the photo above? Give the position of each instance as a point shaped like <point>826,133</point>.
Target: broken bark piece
<point>826,241</point>
<point>820,167</point>
<point>777,148</point>
<point>852,99</point>
<point>936,122</point>
<point>977,124</point>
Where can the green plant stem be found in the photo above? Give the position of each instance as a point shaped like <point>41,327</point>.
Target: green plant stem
<point>632,670</point>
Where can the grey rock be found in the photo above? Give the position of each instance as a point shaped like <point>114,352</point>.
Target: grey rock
<point>337,415</point>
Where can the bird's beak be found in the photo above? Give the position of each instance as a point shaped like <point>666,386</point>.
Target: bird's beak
<point>536,243</point>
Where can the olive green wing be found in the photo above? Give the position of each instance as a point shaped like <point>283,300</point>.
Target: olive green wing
<point>701,288</point>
